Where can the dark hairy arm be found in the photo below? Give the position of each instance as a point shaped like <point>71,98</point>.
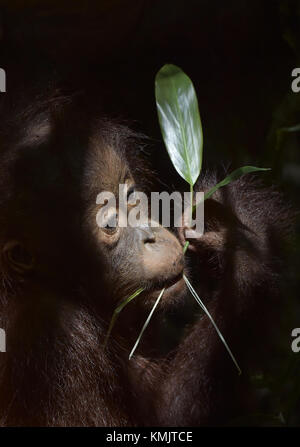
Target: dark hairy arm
<point>235,268</point>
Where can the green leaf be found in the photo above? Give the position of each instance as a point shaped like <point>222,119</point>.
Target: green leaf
<point>203,307</point>
<point>179,120</point>
<point>232,177</point>
<point>146,323</point>
<point>117,312</point>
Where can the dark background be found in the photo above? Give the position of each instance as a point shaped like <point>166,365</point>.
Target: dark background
<point>239,54</point>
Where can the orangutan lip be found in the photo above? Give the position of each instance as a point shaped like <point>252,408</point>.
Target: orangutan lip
<point>168,282</point>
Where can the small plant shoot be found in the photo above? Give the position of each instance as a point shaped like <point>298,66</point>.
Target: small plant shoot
<point>181,128</point>
<point>179,118</point>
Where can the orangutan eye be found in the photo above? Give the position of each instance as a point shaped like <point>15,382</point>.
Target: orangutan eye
<point>17,256</point>
<point>110,226</point>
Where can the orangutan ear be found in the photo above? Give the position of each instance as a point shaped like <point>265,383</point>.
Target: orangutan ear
<point>16,257</point>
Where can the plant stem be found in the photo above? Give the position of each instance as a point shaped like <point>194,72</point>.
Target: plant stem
<point>117,312</point>
<point>201,304</point>
<point>191,201</point>
<point>185,247</point>
<point>146,323</point>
